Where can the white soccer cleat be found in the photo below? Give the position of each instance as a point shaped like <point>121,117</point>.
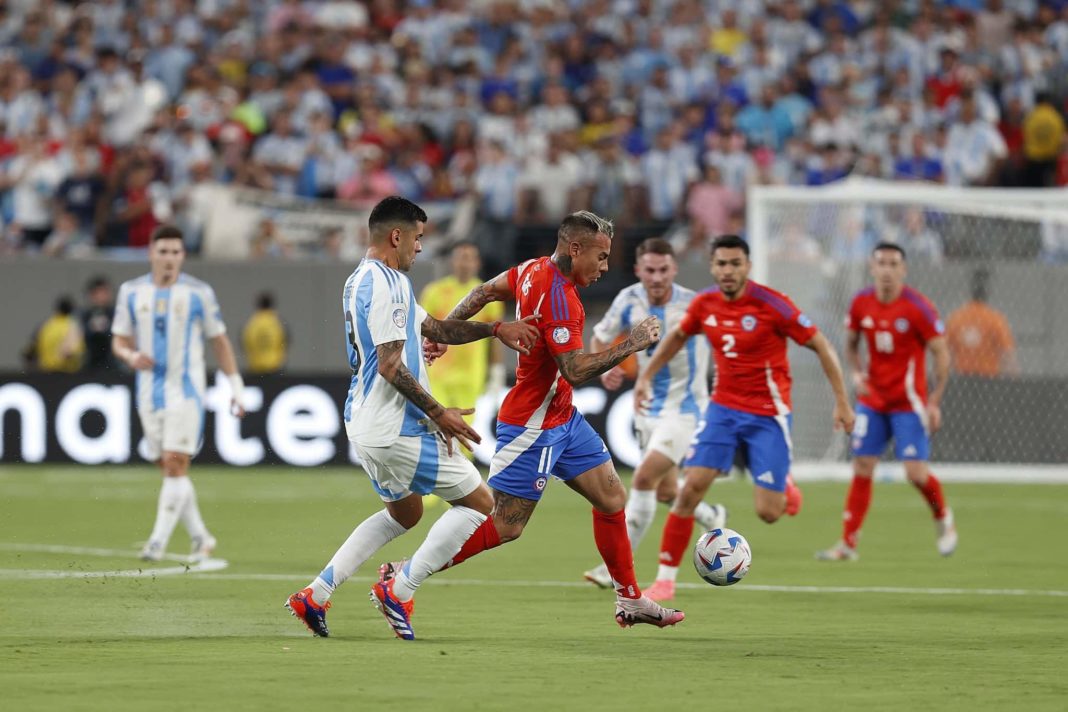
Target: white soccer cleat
<point>839,552</point>
<point>201,548</point>
<point>717,519</point>
<point>631,611</point>
<point>599,576</point>
<point>947,533</point>
<point>152,551</point>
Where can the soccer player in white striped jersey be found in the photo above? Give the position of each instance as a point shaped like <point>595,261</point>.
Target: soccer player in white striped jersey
<point>403,436</point>
<point>161,321</point>
<point>680,392</point>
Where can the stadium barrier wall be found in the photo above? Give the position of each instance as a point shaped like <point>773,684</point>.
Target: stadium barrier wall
<point>297,421</point>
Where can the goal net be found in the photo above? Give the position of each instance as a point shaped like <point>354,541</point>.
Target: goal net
<point>1006,410</point>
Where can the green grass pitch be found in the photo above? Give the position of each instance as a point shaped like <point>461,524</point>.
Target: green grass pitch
<point>516,628</point>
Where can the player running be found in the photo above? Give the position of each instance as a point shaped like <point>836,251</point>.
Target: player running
<point>680,391</point>
<point>161,320</point>
<point>540,434</point>
<point>747,325</point>
<point>898,324</point>
<point>402,434</point>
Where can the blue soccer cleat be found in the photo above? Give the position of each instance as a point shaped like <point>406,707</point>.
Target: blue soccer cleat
<point>396,612</point>
<point>304,608</point>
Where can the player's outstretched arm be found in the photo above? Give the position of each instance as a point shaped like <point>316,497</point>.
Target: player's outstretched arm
<point>611,379</point>
<point>843,415</point>
<point>520,335</point>
<point>577,366</point>
<point>224,354</point>
<point>643,386</point>
<point>494,290</point>
<point>449,420</point>
<point>940,350</point>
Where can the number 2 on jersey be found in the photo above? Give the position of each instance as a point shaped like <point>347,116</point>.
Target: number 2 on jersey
<point>728,346</point>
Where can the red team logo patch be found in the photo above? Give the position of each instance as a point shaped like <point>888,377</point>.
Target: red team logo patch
<point>539,484</point>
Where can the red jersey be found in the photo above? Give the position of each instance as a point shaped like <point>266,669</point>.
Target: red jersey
<point>748,337</point>
<point>897,334</point>
<point>542,397</point>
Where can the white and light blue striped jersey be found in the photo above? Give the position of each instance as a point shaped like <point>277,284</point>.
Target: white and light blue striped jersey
<point>682,385</point>
<point>380,307</point>
<point>169,325</point>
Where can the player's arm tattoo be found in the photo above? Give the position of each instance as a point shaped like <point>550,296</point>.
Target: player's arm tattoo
<point>512,511</point>
<point>495,290</point>
<point>577,367</point>
<point>455,331</point>
<point>391,367</point>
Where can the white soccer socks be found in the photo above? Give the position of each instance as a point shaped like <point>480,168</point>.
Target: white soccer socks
<point>641,510</point>
<point>442,542</point>
<point>371,535</point>
<point>173,493</point>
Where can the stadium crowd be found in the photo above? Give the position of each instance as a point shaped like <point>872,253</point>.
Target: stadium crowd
<point>115,116</point>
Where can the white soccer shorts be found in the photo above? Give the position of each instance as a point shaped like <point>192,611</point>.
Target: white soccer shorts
<point>668,435</point>
<point>420,465</point>
<point>174,429</point>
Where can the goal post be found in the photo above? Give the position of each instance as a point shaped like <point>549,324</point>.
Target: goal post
<point>1006,410</point>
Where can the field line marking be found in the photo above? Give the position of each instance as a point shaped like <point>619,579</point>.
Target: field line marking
<point>85,551</point>
<point>210,566</point>
<point>764,588</point>
<point>205,566</point>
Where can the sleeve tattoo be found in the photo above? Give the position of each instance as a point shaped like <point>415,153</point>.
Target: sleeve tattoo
<point>579,367</point>
<point>477,298</point>
<point>455,331</point>
<point>403,380</point>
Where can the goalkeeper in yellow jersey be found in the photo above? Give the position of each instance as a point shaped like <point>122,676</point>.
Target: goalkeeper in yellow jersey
<point>463,373</point>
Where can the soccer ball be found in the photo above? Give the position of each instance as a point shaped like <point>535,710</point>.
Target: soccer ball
<point>722,557</point>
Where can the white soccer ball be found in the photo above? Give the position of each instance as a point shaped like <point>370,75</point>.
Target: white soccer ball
<point>722,557</point>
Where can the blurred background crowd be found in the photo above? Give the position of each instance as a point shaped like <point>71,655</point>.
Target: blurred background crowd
<point>116,116</point>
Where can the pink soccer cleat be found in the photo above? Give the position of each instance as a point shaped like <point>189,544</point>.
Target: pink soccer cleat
<point>631,611</point>
<point>793,496</point>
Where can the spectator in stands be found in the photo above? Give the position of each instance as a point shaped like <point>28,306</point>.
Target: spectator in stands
<point>979,336</point>
<point>1043,140</point>
<point>918,163</point>
<point>612,182</point>
<point>548,186</point>
<point>278,157</point>
<point>668,172</point>
<point>921,243</point>
<point>974,148</point>
<point>709,207</point>
<point>265,338</point>
<point>96,324</point>
<point>32,176</point>
<point>269,243</point>
<point>141,206</point>
<point>372,181</point>
<point>57,345</point>
<point>66,239</point>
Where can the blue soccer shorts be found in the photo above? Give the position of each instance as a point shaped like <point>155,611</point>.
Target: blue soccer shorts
<point>764,438</point>
<point>527,457</point>
<point>874,429</point>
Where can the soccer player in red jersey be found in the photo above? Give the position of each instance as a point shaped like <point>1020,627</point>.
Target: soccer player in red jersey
<point>747,325</point>
<point>540,434</point>
<point>899,325</point>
